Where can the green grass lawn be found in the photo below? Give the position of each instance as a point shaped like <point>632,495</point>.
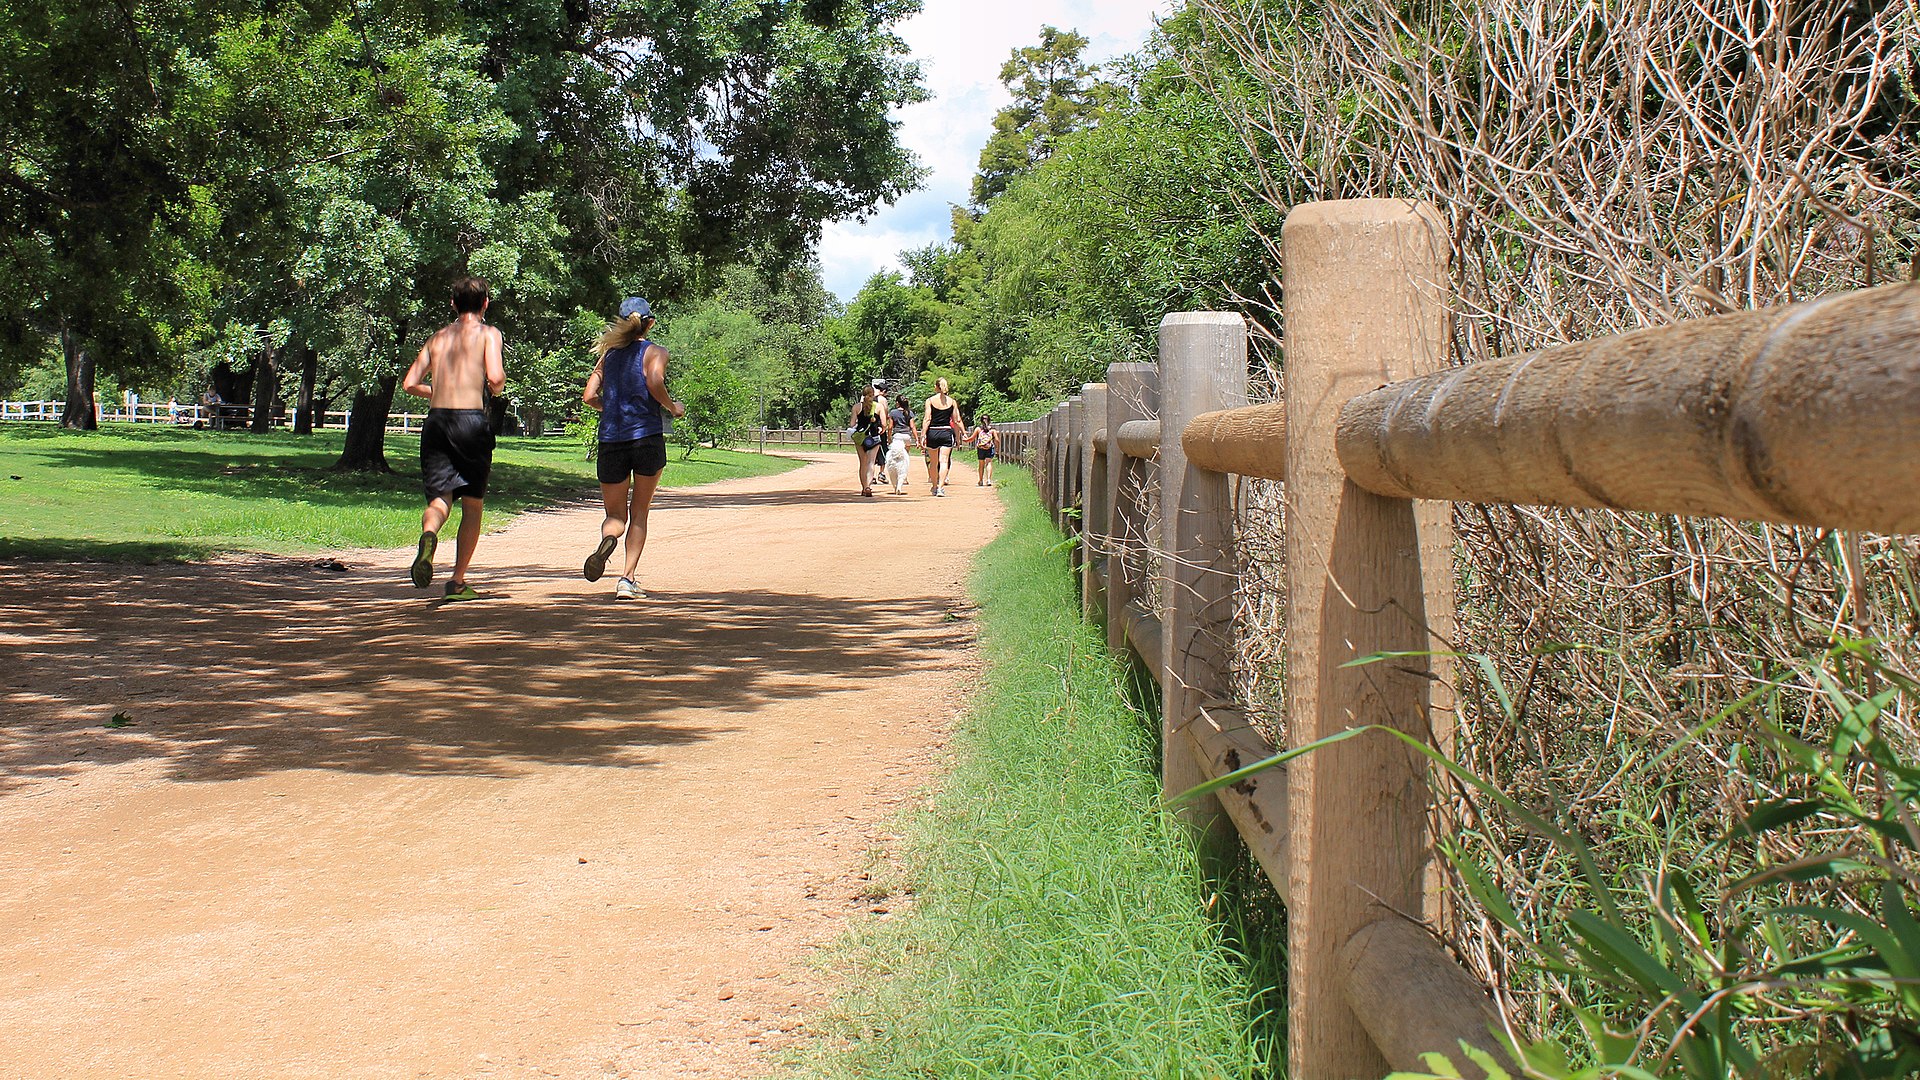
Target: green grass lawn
<point>141,493</point>
<point>1058,925</point>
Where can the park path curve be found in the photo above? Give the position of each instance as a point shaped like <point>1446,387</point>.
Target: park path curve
<point>354,832</point>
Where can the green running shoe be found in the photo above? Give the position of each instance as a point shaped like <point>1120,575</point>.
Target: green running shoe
<point>422,572</point>
<point>460,590</point>
<point>597,562</point>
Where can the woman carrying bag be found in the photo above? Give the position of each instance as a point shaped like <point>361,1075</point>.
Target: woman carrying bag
<point>869,429</point>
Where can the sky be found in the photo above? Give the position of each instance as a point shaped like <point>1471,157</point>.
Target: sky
<point>960,45</point>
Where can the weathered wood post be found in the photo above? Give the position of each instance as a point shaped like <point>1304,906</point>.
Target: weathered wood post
<point>1365,285</point>
<point>1075,523</point>
<point>1066,466</point>
<point>1056,445</point>
<point>1203,367</point>
<point>1043,458</point>
<point>1095,464</point>
<point>1133,393</point>
<point>1062,427</point>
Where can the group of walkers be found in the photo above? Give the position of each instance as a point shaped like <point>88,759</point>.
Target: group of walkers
<point>885,432</point>
<point>462,362</point>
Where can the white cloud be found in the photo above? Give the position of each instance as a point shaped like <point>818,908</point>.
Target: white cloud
<point>961,46</point>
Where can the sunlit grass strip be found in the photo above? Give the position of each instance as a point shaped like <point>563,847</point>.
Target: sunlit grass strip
<point>150,493</point>
<point>1061,928</point>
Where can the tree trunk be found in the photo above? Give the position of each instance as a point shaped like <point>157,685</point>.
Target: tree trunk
<point>266,391</point>
<point>366,449</point>
<point>309,375</point>
<point>535,421</point>
<point>79,412</point>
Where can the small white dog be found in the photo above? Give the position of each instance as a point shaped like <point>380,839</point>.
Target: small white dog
<point>897,464</point>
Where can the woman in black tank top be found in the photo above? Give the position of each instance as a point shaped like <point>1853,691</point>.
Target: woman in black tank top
<point>940,433</point>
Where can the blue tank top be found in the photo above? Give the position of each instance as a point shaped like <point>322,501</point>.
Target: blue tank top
<point>627,408</point>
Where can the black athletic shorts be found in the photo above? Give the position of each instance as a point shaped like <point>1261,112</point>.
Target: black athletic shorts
<point>938,437</point>
<point>624,459</point>
<point>986,453</point>
<point>456,453</point>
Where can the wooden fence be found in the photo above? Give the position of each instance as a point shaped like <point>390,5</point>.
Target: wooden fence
<point>1804,415</point>
<point>816,438</point>
<point>217,417</point>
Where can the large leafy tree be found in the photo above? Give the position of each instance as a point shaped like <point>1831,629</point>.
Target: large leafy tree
<point>253,181</point>
<point>1144,205</point>
<point>1055,93</point>
<point>101,129</point>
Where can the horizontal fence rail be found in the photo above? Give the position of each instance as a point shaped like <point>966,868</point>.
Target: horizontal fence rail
<point>1802,415</point>
<point>1808,414</point>
<point>218,417</point>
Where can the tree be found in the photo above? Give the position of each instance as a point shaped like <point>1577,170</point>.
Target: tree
<point>705,347</point>
<point>99,129</point>
<point>1055,93</point>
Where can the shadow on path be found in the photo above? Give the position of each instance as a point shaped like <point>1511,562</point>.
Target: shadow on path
<point>231,670</point>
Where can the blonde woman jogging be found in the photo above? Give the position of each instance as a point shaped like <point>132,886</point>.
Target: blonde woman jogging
<point>629,387</point>
<point>869,429</point>
<point>940,428</point>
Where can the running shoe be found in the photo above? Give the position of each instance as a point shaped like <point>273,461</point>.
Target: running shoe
<point>628,589</point>
<point>422,571</point>
<point>460,590</point>
<point>597,562</point>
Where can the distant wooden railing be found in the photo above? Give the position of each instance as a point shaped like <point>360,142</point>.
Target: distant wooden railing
<point>218,417</point>
<point>1806,415</point>
<point>815,438</point>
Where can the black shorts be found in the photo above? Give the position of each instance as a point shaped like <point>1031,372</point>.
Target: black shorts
<point>939,437</point>
<point>986,453</point>
<point>632,457</point>
<point>456,453</point>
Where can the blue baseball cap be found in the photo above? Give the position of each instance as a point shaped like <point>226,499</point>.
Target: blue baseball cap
<point>635,305</point>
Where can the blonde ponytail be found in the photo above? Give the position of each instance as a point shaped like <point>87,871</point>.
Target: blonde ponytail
<point>622,333</point>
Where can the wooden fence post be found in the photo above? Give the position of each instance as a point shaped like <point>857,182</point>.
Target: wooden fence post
<point>1075,523</point>
<point>1057,435</point>
<point>1365,286</point>
<point>1133,393</point>
<point>1063,464</point>
<point>1049,446</point>
<point>1093,503</point>
<point>1203,367</point>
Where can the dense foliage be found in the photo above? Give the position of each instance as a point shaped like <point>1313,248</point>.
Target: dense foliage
<point>212,195</point>
<point>1108,199</point>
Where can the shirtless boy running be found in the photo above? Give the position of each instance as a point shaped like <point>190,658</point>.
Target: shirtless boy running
<point>452,372</point>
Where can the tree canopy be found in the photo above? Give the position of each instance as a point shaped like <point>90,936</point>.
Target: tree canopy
<point>208,187</point>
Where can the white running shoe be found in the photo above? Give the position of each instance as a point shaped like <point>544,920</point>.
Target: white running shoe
<point>628,589</point>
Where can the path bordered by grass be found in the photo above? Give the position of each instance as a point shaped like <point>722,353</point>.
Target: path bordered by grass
<point>1059,929</point>
<point>146,494</point>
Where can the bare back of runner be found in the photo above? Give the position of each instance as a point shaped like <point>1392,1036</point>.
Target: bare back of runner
<point>455,369</point>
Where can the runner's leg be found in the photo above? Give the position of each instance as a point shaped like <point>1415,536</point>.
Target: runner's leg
<point>614,496</point>
<point>469,537</point>
<point>643,489</point>
<point>436,514</point>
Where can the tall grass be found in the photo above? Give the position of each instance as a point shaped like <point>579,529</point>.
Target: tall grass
<point>1062,925</point>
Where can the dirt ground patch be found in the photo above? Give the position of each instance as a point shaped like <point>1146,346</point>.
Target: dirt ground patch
<point>352,832</point>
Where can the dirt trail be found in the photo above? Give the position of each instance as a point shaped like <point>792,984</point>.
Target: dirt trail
<point>352,832</point>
